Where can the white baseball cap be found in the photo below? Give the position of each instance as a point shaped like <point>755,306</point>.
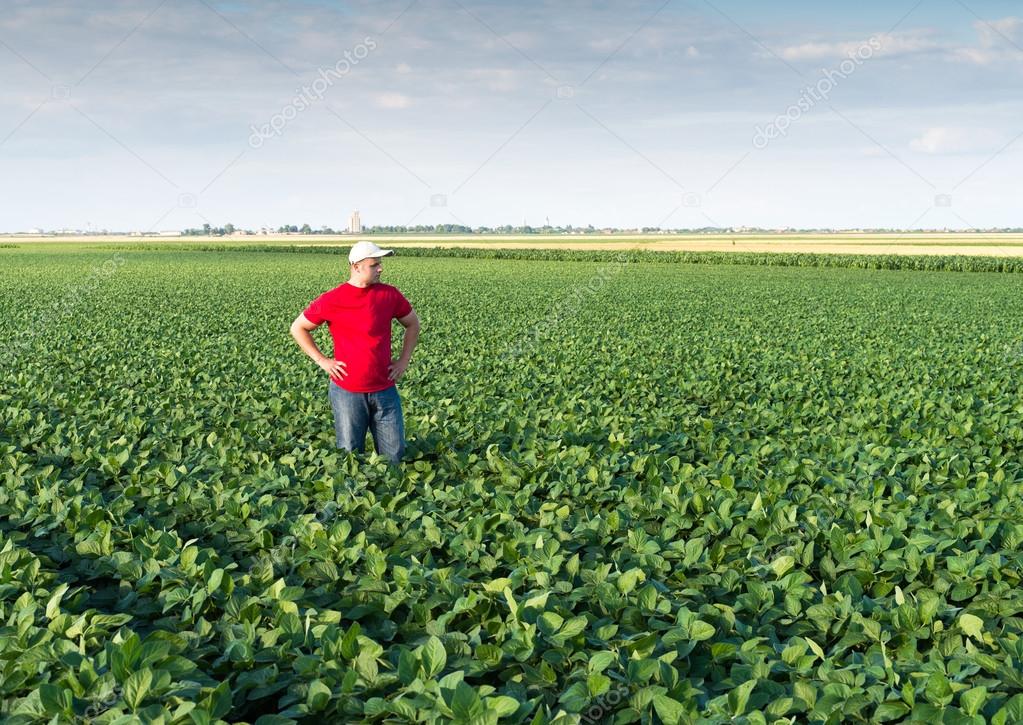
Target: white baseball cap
<point>364,250</point>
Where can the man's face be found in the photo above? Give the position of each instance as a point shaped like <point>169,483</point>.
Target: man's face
<point>369,270</point>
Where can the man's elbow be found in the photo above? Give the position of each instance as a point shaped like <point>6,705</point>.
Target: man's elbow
<point>410,324</point>
<point>297,328</point>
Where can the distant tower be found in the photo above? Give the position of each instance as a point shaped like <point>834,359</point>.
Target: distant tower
<point>355,223</point>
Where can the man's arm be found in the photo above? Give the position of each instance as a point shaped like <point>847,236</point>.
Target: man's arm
<point>411,324</point>
<point>301,330</point>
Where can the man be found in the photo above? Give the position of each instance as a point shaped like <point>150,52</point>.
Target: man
<point>362,374</point>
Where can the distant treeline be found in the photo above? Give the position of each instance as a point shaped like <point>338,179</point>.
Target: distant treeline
<point>229,229</point>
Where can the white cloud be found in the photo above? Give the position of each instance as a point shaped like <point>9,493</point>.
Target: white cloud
<point>999,40</point>
<point>522,39</point>
<point>955,140</point>
<point>998,32</point>
<point>976,56</point>
<point>882,44</point>
<point>893,44</point>
<point>392,101</point>
<point>501,80</point>
<point>817,51</point>
<point>604,45</point>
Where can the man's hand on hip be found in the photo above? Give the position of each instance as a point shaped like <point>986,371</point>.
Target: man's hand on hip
<point>333,368</point>
<point>396,369</point>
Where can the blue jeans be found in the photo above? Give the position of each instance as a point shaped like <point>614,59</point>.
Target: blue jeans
<point>355,413</point>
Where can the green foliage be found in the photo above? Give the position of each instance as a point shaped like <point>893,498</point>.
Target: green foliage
<point>699,493</point>
<point>922,262</point>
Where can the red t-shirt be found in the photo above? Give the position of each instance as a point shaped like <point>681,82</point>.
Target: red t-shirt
<point>359,320</point>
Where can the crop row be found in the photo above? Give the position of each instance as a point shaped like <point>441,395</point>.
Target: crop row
<point>944,262</point>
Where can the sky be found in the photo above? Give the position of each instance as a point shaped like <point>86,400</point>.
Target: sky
<point>169,114</point>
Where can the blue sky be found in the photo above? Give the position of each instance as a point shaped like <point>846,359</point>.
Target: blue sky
<point>168,114</point>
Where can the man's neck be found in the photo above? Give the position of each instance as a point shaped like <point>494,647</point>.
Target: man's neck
<point>354,283</point>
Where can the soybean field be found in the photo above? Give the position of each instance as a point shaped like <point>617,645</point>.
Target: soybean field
<point>635,492</point>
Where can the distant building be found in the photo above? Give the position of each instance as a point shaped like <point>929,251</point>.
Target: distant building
<point>355,223</point>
